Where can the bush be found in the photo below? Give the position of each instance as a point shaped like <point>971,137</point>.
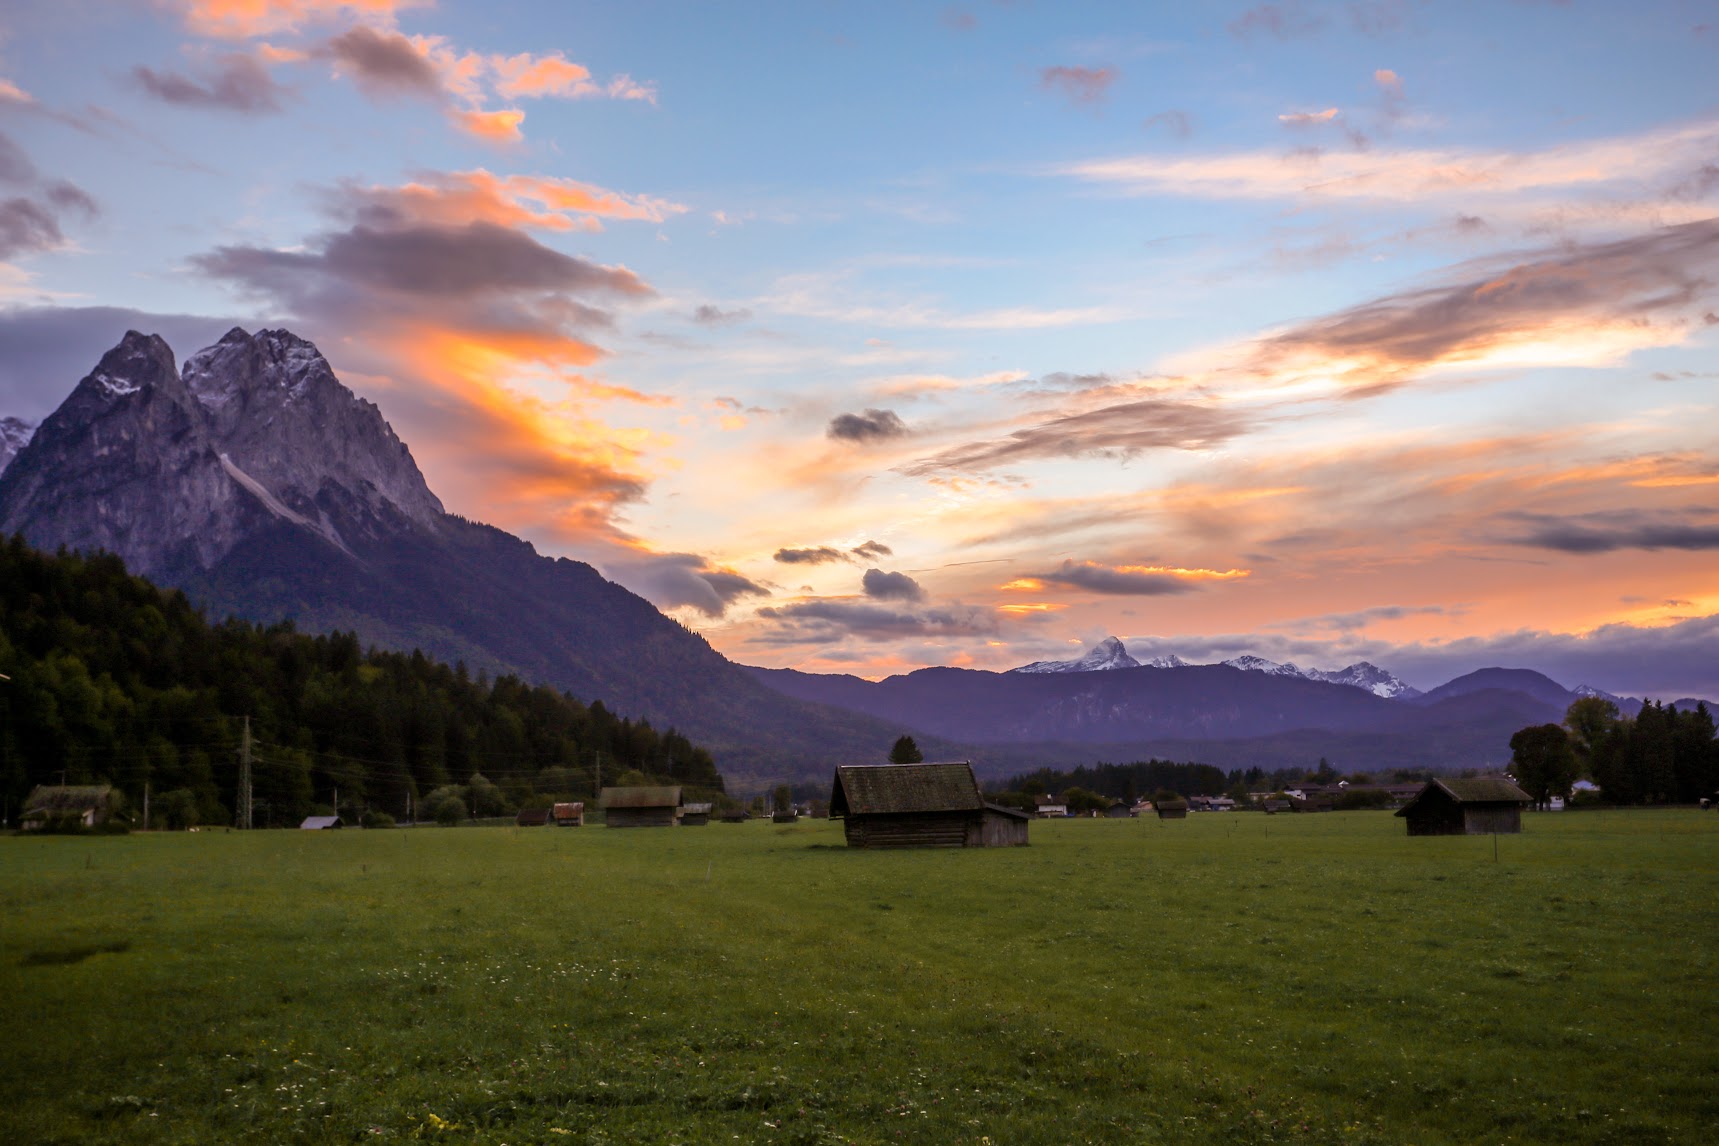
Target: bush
<point>377,820</point>
<point>448,812</point>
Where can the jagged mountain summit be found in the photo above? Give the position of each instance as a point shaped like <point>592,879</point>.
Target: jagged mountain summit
<point>1363,675</point>
<point>15,434</point>
<point>255,428</point>
<point>1105,655</point>
<point>258,483</point>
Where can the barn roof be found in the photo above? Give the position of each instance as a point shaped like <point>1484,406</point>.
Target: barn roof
<point>317,823</point>
<point>642,797</point>
<point>67,798</point>
<point>697,809</point>
<point>873,788</point>
<point>1480,790</point>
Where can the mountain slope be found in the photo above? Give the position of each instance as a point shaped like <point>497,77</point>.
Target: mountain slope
<point>259,484</point>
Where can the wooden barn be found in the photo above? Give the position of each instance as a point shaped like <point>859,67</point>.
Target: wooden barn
<point>86,805</point>
<point>736,816</point>
<point>921,806</point>
<point>569,815</point>
<point>695,815</point>
<point>1119,810</point>
<point>1176,809</point>
<point>532,817</point>
<point>322,823</point>
<point>1484,806</point>
<point>642,807</point>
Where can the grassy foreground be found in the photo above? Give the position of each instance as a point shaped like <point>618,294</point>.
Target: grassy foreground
<point>1232,978</point>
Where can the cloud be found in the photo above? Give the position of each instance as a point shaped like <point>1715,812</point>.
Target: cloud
<point>1080,85</point>
<point>386,63</point>
<point>707,315</point>
<point>1653,164</point>
<point>239,82</point>
<point>821,621</point>
<point>1117,431</point>
<point>1306,117</point>
<point>872,550</point>
<point>536,201</point>
<point>1358,619</point>
<point>1572,305</point>
<point>1175,121</point>
<point>245,19</point>
<point>883,586</point>
<point>959,19</point>
<point>1609,532</point>
<point>30,223</point>
<point>683,580</point>
<point>871,426</point>
<point>823,555</point>
<point>1378,17</point>
<point>1123,580</point>
<point>1279,21</point>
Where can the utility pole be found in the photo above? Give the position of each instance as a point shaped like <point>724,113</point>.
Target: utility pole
<point>244,809</point>
<point>146,805</point>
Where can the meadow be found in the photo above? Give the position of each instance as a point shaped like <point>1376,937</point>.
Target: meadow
<point>1227,978</point>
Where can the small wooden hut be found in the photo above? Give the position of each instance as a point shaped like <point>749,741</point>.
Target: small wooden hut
<point>569,815</point>
<point>921,806</point>
<point>1483,806</point>
<point>1119,810</point>
<point>83,805</point>
<point>736,816</point>
<point>695,815</point>
<point>532,817</point>
<point>641,807</point>
<point>1176,809</point>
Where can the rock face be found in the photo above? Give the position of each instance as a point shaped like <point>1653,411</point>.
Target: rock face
<point>15,434</point>
<point>263,487</point>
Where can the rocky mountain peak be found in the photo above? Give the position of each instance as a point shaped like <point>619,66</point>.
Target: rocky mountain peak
<point>173,470</point>
<point>1106,654</point>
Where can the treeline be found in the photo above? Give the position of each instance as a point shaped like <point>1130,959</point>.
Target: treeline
<point>1120,781</point>
<point>1660,756</point>
<point>114,680</point>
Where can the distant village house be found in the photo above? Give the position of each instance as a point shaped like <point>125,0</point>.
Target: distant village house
<point>83,805</point>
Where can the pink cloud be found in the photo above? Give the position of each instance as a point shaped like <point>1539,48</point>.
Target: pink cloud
<point>1081,85</point>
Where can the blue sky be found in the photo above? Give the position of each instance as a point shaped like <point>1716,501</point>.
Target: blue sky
<point>1316,330</point>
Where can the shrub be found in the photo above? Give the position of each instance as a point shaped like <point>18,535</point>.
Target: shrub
<point>377,820</point>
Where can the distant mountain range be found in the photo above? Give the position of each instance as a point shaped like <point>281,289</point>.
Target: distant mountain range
<point>258,483</point>
<point>1110,654</point>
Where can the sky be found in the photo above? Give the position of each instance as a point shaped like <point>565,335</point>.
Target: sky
<point>863,337</point>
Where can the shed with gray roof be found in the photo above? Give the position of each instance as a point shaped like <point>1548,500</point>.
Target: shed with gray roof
<point>921,806</point>
<point>1482,806</point>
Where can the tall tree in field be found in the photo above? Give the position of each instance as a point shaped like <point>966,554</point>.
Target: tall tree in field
<point>1588,720</point>
<point>1543,761</point>
<point>784,799</point>
<point>905,751</point>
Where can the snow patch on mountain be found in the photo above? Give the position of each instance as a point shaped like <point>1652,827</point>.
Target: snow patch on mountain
<point>1110,654</point>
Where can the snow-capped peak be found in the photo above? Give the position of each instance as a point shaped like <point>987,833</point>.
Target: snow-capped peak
<point>1260,664</point>
<point>1106,654</point>
<point>1362,674</point>
<point>1167,661</point>
<point>15,434</point>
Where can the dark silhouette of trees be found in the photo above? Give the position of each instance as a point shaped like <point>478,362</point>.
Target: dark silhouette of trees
<point>905,751</point>
<point>1543,761</point>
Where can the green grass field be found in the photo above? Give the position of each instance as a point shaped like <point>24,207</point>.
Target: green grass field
<point>1228,978</point>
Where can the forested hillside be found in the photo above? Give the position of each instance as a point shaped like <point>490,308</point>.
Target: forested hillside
<point>113,679</point>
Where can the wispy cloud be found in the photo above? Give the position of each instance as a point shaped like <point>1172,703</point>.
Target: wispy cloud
<point>871,426</point>
<point>236,81</point>
<point>1610,531</point>
<point>1079,85</point>
<point>1122,580</point>
<point>246,19</point>
<point>536,201</point>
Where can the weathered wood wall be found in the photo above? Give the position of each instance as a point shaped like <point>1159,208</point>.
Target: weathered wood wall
<point>1489,818</point>
<point>907,830</point>
<point>641,817</point>
<point>993,830</point>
